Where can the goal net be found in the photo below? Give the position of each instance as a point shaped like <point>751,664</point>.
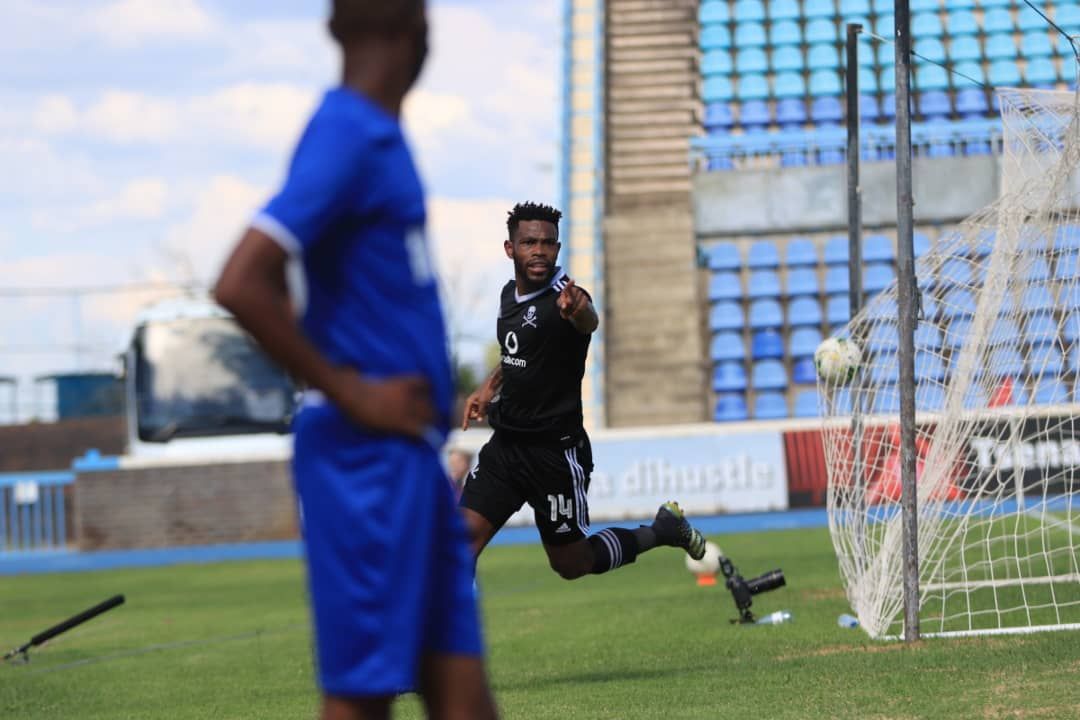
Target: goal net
<point>997,444</point>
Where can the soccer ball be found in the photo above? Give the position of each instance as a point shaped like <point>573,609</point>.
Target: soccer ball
<point>709,564</point>
<point>837,360</point>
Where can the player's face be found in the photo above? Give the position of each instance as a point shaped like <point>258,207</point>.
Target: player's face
<point>420,44</point>
<point>534,250</point>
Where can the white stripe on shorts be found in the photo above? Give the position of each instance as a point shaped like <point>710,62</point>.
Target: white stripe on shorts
<point>577,475</point>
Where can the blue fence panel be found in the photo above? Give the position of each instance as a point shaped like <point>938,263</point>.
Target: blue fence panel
<point>32,511</point>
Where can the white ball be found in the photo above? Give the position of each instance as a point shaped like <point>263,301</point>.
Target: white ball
<point>709,564</point>
<point>837,360</point>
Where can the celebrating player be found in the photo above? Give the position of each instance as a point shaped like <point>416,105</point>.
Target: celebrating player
<point>539,452</point>
<point>389,567</point>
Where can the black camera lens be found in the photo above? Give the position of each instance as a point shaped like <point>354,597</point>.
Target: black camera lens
<point>766,582</point>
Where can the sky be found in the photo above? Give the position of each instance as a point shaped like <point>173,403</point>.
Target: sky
<point>137,138</point>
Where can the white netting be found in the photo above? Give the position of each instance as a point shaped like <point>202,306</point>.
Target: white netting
<point>997,439</point>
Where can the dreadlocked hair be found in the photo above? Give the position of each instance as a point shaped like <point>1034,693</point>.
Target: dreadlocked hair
<point>531,211</point>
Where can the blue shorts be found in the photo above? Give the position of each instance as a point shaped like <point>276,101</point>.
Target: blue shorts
<point>390,571</point>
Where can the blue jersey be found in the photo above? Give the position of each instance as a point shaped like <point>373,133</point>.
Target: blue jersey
<point>353,208</point>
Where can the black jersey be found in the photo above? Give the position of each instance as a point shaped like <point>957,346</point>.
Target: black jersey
<point>543,361</point>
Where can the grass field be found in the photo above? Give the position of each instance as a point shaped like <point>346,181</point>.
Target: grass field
<point>231,641</point>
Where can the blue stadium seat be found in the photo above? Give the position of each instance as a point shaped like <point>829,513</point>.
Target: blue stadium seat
<point>1028,20</point>
<point>716,89</point>
<point>784,10</point>
<point>730,408</point>
<point>887,79</point>
<point>825,110</point>
<point>724,256</point>
<point>964,48</point>
<point>806,404</point>
<point>793,157</point>
<point>755,113</point>
<point>770,406</point>
<point>765,314</point>
<point>1003,331</point>
<point>926,24</point>
<point>763,284</point>
<point>957,271</point>
<point>790,111</point>
<point>931,77</point>
<point>804,342</point>
<point>1004,72</point>
<point>1036,44</point>
<point>800,251</point>
<point>1000,47</point>
<point>720,162</point>
<point>820,31</point>
<point>877,277</point>
<point>917,6</point>
<point>961,22</point>
<point>928,305</point>
<point>867,81</point>
<point>1041,72</point>
<point>930,48</point>
<point>804,311</point>
<point>885,26</point>
<point>751,34</point>
<point>957,333</point>
<point>763,254</point>
<point>885,369</point>
<point>935,105</point>
<point>854,7</point>
<point>716,62</point>
<point>927,336</point>
<point>766,345</point>
<point>822,57</point>
<point>971,102</point>
<point>746,10</point>
<point>725,286</point>
<point>789,86</point>
<point>837,279</point>
<point>803,371</point>
<point>885,54</point>
<point>1070,327</point>
<point>1072,362</point>
<point>1051,391</point>
<point>785,34</point>
<point>1038,271</point>
<point>868,107</point>
<point>1045,360</point>
<point>752,87</point>
<point>714,37</point>
<point>1041,327</point>
<point>883,338</point>
<point>975,397</point>
<point>801,281</point>
<point>769,375</point>
<point>751,60</point>
<point>819,8</point>
<point>1067,15</point>
<point>1066,266</point>
<point>729,376</point>
<point>726,316</point>
<point>787,58</point>
<point>719,116</point>
<point>836,250</point>
<point>1006,361</point>
<point>1067,237</point>
<point>878,248</point>
<point>727,346</point>
<point>929,398</point>
<point>882,308</point>
<point>929,366</point>
<point>957,303</point>
<point>837,309</point>
<point>713,11</point>
<point>997,20</point>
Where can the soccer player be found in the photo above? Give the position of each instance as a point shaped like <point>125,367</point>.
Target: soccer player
<point>539,452</point>
<point>389,567</point>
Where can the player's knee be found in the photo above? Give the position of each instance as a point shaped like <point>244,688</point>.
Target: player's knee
<point>570,568</point>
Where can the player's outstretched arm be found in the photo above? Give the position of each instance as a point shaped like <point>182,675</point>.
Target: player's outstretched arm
<point>576,307</point>
<point>477,403</point>
<point>252,287</point>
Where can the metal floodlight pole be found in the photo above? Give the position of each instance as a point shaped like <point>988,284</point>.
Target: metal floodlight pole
<point>855,277</point>
<point>905,273</point>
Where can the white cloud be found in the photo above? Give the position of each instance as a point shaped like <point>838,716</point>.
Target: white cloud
<point>38,172</point>
<point>129,23</point>
<point>268,115</point>
<point>125,117</point>
<point>427,114</point>
<point>54,114</point>
<point>141,199</point>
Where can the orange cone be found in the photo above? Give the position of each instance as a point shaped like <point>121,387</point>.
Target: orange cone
<point>706,580</point>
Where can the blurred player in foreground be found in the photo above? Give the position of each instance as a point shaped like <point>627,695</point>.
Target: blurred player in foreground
<point>389,567</point>
<point>540,452</point>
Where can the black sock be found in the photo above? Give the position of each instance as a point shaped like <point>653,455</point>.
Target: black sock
<point>613,548</point>
<point>646,538</point>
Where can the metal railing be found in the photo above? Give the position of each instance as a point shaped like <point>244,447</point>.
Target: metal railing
<point>32,511</point>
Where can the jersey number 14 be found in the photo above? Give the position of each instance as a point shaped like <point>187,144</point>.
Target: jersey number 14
<point>561,506</point>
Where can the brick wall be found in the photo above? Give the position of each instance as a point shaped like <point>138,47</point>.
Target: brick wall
<point>184,505</point>
<point>52,446</point>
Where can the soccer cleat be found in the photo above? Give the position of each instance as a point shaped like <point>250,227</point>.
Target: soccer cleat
<point>672,528</point>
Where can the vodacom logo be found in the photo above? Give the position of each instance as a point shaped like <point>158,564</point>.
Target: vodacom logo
<point>511,343</point>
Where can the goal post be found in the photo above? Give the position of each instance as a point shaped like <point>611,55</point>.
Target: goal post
<point>994,428</point>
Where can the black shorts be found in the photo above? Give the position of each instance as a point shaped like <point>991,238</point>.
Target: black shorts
<point>553,478</point>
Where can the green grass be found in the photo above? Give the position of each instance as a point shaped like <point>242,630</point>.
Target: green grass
<point>231,641</point>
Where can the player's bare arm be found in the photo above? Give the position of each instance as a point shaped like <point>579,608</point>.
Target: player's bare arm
<point>576,308</point>
<point>253,288</point>
<point>476,404</point>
